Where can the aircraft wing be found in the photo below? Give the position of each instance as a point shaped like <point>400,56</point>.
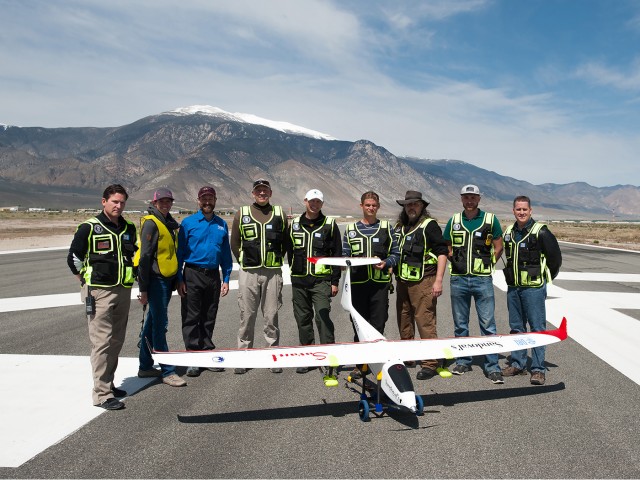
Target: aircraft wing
<point>377,351</point>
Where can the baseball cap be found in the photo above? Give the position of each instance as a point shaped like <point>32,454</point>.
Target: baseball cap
<point>471,189</point>
<point>162,193</point>
<point>261,182</point>
<point>314,193</point>
<point>206,191</point>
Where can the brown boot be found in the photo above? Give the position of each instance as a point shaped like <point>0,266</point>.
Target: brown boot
<point>512,371</point>
<point>537,378</point>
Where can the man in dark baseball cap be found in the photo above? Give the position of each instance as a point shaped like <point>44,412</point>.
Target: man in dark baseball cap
<point>205,264</point>
<point>261,182</point>
<point>206,191</point>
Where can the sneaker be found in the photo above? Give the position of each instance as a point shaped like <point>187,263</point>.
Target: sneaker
<point>111,404</point>
<point>276,370</point>
<point>537,378</point>
<point>193,371</point>
<point>118,392</point>
<point>409,363</point>
<point>425,373</point>
<point>495,377</point>
<point>174,380</point>
<point>460,369</point>
<point>215,369</point>
<point>355,374</point>
<point>153,373</point>
<point>302,369</point>
<point>240,371</point>
<point>512,371</point>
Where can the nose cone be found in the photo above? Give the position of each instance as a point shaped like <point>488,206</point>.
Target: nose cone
<point>408,400</point>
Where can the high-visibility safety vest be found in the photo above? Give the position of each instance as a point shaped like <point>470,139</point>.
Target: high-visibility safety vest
<point>167,245</point>
<point>261,244</point>
<point>109,258</point>
<point>472,251</point>
<point>526,264</point>
<point>415,253</point>
<point>314,243</point>
<point>376,245</point>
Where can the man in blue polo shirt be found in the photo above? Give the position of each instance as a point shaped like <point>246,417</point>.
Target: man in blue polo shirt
<point>203,249</point>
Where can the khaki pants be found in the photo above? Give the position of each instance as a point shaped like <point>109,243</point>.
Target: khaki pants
<point>259,289</point>
<point>107,330</point>
<point>416,306</point>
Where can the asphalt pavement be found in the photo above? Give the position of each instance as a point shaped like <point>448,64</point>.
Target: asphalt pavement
<point>583,423</point>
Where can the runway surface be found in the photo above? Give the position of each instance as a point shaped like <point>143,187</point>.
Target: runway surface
<point>582,423</point>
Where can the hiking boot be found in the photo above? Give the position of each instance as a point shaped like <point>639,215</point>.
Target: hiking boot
<point>240,371</point>
<point>302,369</point>
<point>153,373</point>
<point>512,371</point>
<point>460,369</point>
<point>355,374</point>
<point>276,370</point>
<point>425,373</point>
<point>410,363</point>
<point>495,377</point>
<point>174,380</point>
<point>193,371</point>
<point>215,369</point>
<point>111,404</point>
<point>537,378</point>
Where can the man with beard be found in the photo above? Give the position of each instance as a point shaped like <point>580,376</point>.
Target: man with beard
<point>203,250</point>
<point>157,270</point>
<point>474,238</point>
<point>423,259</point>
<point>258,243</point>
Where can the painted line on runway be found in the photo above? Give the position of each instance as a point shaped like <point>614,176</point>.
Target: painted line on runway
<point>593,319</point>
<point>32,415</point>
<point>16,304</point>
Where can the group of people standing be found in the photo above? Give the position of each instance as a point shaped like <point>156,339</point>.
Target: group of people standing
<point>196,259</point>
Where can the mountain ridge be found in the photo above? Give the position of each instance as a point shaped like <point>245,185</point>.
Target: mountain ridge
<point>186,151</point>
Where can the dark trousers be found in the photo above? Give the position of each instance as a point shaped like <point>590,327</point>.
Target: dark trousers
<point>305,298</point>
<point>371,300</point>
<point>199,309</point>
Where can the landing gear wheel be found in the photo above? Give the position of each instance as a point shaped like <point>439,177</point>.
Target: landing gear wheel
<point>419,406</point>
<point>363,411</point>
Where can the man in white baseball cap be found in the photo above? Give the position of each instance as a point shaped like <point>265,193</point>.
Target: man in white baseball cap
<point>475,244</point>
<point>312,234</point>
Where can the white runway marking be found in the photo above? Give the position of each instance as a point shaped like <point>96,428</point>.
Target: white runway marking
<point>593,319</point>
<point>17,304</point>
<point>31,416</point>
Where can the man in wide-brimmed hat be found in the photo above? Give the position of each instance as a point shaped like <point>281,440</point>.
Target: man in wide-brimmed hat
<point>423,259</point>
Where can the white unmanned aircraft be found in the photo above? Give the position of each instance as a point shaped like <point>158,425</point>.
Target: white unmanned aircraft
<point>385,358</point>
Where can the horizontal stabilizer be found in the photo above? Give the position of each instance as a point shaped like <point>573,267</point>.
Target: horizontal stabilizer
<point>344,261</point>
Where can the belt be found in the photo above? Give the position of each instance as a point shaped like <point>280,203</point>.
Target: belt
<point>207,271</point>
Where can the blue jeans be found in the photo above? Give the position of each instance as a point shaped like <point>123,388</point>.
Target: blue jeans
<point>156,323</point>
<point>463,289</point>
<point>526,305</point>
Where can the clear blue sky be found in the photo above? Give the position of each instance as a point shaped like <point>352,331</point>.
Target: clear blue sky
<point>543,91</point>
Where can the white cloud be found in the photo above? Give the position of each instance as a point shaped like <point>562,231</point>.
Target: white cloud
<point>613,77</point>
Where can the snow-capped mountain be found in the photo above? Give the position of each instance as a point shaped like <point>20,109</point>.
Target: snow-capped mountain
<point>285,127</point>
